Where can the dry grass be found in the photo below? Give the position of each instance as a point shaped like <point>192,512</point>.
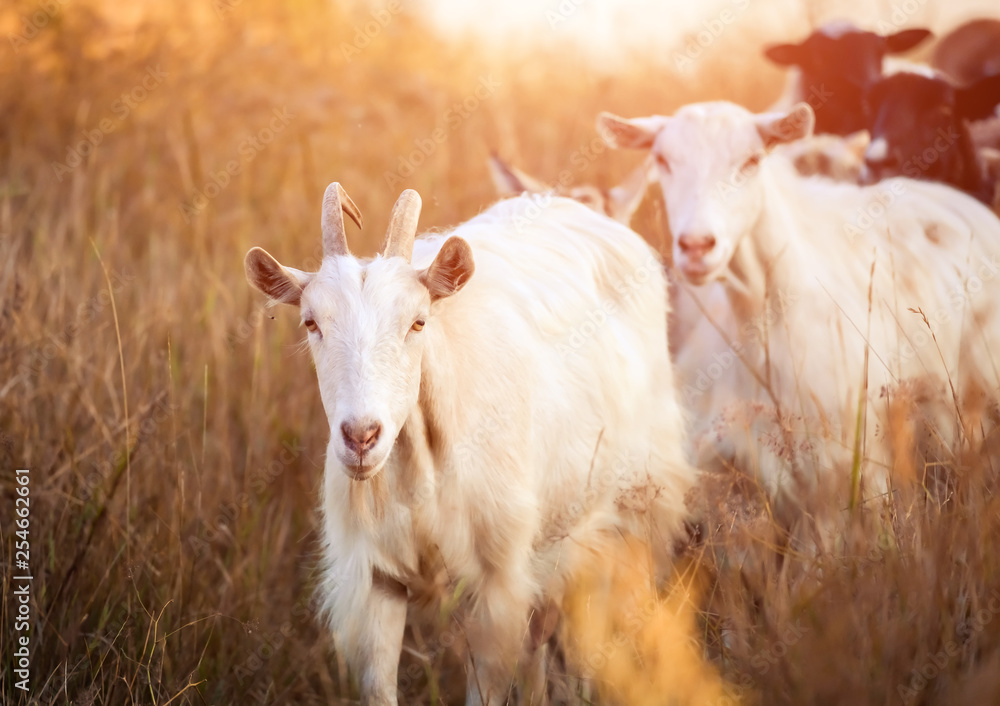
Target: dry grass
<point>173,429</point>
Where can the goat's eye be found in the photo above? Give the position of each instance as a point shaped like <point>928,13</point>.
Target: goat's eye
<point>418,325</point>
<point>662,162</point>
<point>310,325</point>
<point>752,161</point>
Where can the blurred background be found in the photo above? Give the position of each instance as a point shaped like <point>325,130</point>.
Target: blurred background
<point>171,421</point>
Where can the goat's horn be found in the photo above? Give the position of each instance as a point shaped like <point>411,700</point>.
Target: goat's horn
<point>402,226</point>
<point>336,203</point>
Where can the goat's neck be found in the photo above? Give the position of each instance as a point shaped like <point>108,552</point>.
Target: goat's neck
<point>762,269</point>
<point>423,435</point>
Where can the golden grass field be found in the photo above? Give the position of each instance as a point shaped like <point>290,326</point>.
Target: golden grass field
<point>172,425</point>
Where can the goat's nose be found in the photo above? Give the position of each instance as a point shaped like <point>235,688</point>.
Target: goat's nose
<point>360,436</point>
<point>696,245</point>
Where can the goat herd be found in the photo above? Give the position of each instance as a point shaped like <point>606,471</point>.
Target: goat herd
<point>503,400</point>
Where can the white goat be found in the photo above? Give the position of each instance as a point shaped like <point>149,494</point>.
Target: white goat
<point>832,156</point>
<point>619,202</point>
<point>797,257</point>
<point>501,403</point>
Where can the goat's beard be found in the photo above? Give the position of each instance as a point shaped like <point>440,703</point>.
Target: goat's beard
<point>368,499</point>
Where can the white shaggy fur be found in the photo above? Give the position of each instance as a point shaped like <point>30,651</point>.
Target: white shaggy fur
<point>795,256</point>
<point>532,418</point>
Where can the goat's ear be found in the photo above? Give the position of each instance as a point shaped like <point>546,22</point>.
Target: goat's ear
<point>511,181</point>
<point>450,270</point>
<point>978,101</point>
<point>281,284</point>
<point>785,54</point>
<point>625,134</point>
<point>906,40</point>
<point>857,143</point>
<point>990,158</point>
<point>625,198</point>
<point>779,128</point>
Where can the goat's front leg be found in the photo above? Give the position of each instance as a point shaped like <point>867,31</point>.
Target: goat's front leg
<point>497,632</point>
<point>381,641</point>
